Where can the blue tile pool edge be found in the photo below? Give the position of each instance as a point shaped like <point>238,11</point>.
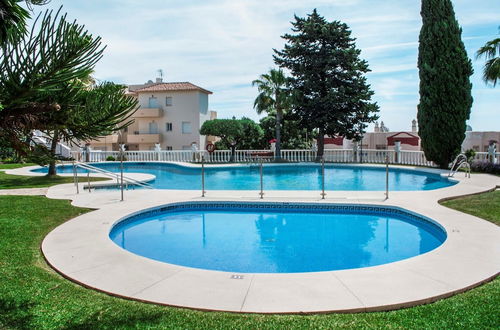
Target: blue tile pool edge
<point>433,225</point>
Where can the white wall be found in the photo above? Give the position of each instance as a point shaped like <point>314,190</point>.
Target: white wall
<point>187,106</point>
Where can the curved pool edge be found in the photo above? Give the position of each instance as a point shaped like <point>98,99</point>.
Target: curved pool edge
<point>431,226</point>
<point>441,174</point>
<point>459,264</point>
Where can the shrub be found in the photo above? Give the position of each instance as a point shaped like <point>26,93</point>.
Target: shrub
<point>485,167</point>
<point>110,159</point>
<point>470,154</point>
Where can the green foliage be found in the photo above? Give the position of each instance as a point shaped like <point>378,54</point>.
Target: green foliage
<point>12,21</point>
<point>330,92</point>
<point>33,296</point>
<point>110,159</point>
<point>470,154</point>
<point>274,97</point>
<point>445,89</point>
<point>244,132</point>
<point>6,151</point>
<point>44,84</point>
<point>93,111</point>
<point>294,136</point>
<point>491,51</point>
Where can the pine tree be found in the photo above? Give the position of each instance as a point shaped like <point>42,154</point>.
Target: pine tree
<point>330,92</point>
<point>445,88</point>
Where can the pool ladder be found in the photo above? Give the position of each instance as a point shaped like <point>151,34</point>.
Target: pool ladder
<point>118,177</point>
<point>459,162</point>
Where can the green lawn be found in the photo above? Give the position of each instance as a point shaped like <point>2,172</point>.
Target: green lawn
<point>11,166</point>
<point>486,206</point>
<point>19,181</point>
<point>34,296</point>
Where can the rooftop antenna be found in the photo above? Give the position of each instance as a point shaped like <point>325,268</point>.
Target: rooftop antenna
<point>160,78</point>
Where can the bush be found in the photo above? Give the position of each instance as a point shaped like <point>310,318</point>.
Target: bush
<point>485,167</point>
<point>470,154</point>
<point>110,159</point>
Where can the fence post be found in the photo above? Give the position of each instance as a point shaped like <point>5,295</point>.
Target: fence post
<point>121,170</point>
<point>397,149</point>
<point>261,180</point>
<point>387,177</point>
<point>75,177</point>
<point>88,181</point>
<point>323,177</point>
<point>202,176</point>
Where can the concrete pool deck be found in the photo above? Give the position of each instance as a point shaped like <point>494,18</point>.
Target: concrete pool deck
<point>82,251</point>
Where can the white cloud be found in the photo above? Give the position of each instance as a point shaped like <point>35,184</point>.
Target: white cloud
<point>223,45</point>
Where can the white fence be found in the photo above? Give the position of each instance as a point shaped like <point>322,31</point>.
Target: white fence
<point>485,157</point>
<point>404,157</point>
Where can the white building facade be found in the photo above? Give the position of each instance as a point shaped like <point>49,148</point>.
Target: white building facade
<point>170,115</point>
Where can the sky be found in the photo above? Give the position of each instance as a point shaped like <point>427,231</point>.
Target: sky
<point>223,45</point>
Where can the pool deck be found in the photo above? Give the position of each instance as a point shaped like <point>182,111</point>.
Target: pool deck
<point>81,251</point>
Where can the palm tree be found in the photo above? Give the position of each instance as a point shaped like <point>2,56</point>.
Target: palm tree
<point>274,97</point>
<point>491,50</point>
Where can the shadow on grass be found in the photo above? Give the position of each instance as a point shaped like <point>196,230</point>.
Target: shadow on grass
<point>8,181</point>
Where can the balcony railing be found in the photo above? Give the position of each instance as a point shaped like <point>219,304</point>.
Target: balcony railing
<point>106,140</point>
<point>147,113</point>
<point>143,138</point>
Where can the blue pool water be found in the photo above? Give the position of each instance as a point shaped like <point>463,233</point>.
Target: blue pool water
<point>295,177</point>
<point>277,238</point>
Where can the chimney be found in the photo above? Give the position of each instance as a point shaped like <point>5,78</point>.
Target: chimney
<point>159,80</point>
<point>414,126</point>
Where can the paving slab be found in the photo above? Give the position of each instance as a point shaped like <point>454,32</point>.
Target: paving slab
<point>82,251</point>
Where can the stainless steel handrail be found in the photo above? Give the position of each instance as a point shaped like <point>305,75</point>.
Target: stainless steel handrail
<point>113,175</point>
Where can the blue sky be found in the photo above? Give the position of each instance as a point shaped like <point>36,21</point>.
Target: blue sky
<point>222,45</point>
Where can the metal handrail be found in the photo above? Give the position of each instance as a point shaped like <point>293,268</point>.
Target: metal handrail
<point>113,175</point>
<point>460,161</point>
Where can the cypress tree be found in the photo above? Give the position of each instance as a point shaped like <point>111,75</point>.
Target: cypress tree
<point>445,88</point>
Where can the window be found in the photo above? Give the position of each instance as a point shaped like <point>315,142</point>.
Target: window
<point>153,102</point>
<point>153,128</point>
<point>168,101</point>
<point>186,127</point>
<point>168,148</point>
<point>168,127</point>
<point>475,148</point>
<point>380,147</point>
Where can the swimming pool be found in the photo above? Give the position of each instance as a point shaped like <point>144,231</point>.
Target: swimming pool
<point>277,237</point>
<point>278,177</point>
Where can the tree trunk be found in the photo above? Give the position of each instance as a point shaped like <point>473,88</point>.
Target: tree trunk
<point>233,150</point>
<point>53,147</point>
<point>321,144</point>
<point>279,118</point>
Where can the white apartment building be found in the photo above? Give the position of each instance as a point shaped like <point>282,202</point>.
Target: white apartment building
<point>169,114</point>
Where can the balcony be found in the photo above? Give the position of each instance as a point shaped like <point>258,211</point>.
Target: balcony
<point>106,140</point>
<point>143,138</point>
<point>147,113</point>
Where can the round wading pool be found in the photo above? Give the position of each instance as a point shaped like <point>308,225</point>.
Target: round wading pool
<point>277,237</point>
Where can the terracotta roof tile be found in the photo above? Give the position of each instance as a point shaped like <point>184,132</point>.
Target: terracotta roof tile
<point>172,86</point>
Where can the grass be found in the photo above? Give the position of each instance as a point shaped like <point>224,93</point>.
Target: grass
<point>12,166</point>
<point>33,296</point>
<point>8,181</point>
<point>486,206</point>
